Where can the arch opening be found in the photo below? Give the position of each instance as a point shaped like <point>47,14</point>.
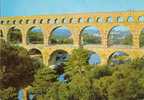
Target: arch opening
<point>64,20</point>
<point>130,19</point>
<point>141,19</point>
<point>118,58</point>
<point>35,35</point>
<point>90,35</point>
<point>142,38</point>
<point>36,55</point>
<point>14,35</point>
<point>120,36</point>
<point>81,20</point>
<point>57,60</point>
<point>90,20</point>
<point>120,19</point>
<point>56,21</point>
<point>100,20</point>
<point>1,33</point>
<point>61,35</point>
<point>94,58</point>
<point>110,19</point>
<point>73,20</point>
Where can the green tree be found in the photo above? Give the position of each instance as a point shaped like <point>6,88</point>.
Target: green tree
<point>44,80</point>
<point>85,82</point>
<point>78,62</point>
<point>35,37</point>
<point>14,36</point>
<point>125,83</point>
<point>16,69</point>
<point>142,39</point>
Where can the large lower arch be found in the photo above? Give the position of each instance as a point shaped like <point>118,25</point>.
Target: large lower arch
<point>118,57</point>
<point>120,36</point>
<point>14,35</point>
<point>36,55</point>
<point>35,35</point>
<point>60,35</point>
<point>90,35</point>
<point>58,57</point>
<point>142,38</point>
<point>57,61</point>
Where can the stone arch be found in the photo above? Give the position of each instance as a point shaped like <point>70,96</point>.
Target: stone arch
<point>14,35</point>
<point>80,20</point>
<point>141,19</point>
<point>109,19</point>
<point>35,35</point>
<point>8,21</point>
<point>141,38</point>
<point>52,21</point>
<point>56,21</point>
<point>27,21</point>
<point>120,19</point>
<point>36,54</point>
<point>90,20</point>
<point>2,22</point>
<point>41,21</point>
<point>100,20</point>
<point>21,21</point>
<point>93,58</point>
<point>90,35</point>
<point>34,21</point>
<point>64,20</point>
<point>60,35</point>
<point>48,21</point>
<point>14,21</point>
<point>58,56</point>
<point>118,57</point>
<point>1,33</point>
<point>119,36</point>
<point>130,19</point>
<point>73,20</point>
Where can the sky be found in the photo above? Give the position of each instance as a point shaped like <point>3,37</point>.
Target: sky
<point>47,7</point>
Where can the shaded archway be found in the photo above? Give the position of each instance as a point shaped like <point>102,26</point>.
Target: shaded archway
<point>120,19</point>
<point>141,19</point>
<point>81,20</point>
<point>110,19</point>
<point>14,35</point>
<point>1,33</point>
<point>120,36</point>
<point>61,35</point>
<point>141,39</point>
<point>90,20</point>
<point>35,35</point>
<point>130,19</point>
<point>57,60</point>
<point>94,58</point>
<point>100,20</point>
<point>90,35</point>
<point>118,57</point>
<point>36,55</point>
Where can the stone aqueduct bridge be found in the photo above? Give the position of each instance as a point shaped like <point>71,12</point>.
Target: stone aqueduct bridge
<point>75,23</point>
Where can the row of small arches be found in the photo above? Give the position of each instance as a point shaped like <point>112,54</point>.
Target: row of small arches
<point>109,19</point>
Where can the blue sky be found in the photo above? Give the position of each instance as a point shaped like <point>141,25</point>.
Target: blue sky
<point>45,7</point>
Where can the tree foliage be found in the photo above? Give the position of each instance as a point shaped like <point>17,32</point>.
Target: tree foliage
<point>120,82</point>
<point>16,69</point>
